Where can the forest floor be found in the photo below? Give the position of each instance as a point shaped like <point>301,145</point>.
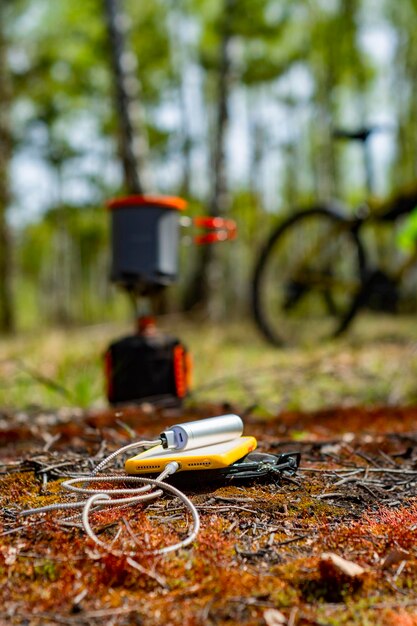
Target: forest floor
<point>269,552</point>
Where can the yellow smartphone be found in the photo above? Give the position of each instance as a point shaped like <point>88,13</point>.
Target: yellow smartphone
<point>210,457</point>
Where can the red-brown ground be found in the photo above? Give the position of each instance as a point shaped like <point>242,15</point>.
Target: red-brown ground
<point>258,558</point>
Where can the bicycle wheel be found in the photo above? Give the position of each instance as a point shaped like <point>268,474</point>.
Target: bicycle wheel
<point>307,278</point>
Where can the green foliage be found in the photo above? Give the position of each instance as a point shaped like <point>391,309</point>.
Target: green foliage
<point>297,69</point>
<point>87,227</point>
<point>407,236</point>
<point>58,75</point>
<point>150,41</point>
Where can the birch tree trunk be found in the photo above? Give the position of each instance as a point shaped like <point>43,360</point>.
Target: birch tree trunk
<point>7,321</point>
<point>205,280</point>
<point>132,140</point>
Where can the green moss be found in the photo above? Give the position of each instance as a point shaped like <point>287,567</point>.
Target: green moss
<point>286,597</point>
<point>47,571</point>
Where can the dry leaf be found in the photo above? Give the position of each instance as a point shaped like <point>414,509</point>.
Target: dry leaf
<point>348,568</point>
<point>395,556</point>
<point>273,617</point>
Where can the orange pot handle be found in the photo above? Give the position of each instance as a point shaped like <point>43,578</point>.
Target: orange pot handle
<point>218,229</point>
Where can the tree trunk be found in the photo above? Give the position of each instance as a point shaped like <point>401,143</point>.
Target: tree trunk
<point>220,199</point>
<point>132,143</point>
<point>7,321</point>
<point>180,59</point>
<point>186,143</point>
<point>207,275</point>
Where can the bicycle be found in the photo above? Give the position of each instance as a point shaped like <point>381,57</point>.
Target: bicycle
<point>314,273</point>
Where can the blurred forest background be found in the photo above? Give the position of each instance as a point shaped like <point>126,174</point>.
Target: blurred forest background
<point>234,103</point>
